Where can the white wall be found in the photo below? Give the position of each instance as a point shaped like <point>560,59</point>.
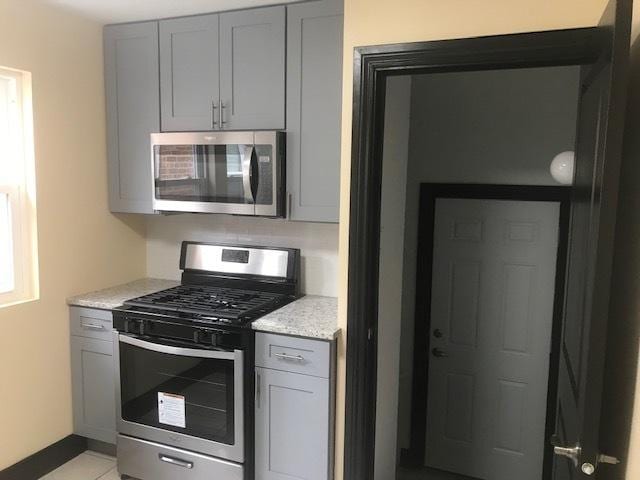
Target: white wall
<point>318,243</point>
<point>491,127</point>
<point>394,180</point>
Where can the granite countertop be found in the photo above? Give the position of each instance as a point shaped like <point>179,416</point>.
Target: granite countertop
<point>310,316</point>
<point>109,298</point>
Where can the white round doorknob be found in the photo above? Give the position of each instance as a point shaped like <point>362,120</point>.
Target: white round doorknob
<point>588,468</point>
<point>562,167</point>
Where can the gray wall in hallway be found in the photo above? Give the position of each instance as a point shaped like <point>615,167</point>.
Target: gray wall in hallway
<point>471,127</point>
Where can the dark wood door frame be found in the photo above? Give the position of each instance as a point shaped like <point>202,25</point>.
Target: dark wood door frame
<point>429,193</point>
<point>372,65</point>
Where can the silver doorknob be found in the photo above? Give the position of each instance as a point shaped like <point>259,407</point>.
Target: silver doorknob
<point>436,352</point>
<point>572,453</point>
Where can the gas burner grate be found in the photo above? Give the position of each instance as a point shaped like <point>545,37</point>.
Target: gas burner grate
<point>224,303</point>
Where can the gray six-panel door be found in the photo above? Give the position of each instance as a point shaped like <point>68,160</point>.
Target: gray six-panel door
<point>133,112</point>
<point>252,69</point>
<point>189,73</point>
<point>292,426</point>
<point>314,100</point>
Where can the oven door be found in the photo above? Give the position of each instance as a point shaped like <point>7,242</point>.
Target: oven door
<point>216,172</point>
<point>188,398</point>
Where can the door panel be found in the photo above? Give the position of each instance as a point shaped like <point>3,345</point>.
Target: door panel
<point>292,426</point>
<point>93,382</point>
<point>252,71</point>
<point>590,249</point>
<point>133,112</point>
<point>493,290</point>
<point>189,73</point>
<point>314,93</point>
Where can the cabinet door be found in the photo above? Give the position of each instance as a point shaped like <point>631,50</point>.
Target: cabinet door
<point>252,63</point>
<point>314,109</point>
<point>189,73</point>
<point>133,112</point>
<point>93,387</point>
<point>292,426</point>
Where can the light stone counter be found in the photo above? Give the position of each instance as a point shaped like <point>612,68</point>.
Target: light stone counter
<point>109,298</point>
<point>310,316</point>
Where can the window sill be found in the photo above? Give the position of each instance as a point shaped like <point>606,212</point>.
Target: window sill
<point>11,302</point>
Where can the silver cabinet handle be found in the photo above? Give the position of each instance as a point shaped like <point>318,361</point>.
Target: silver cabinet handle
<point>175,461</point>
<point>214,107</point>
<point>92,326</point>
<point>258,391</point>
<point>284,356</point>
<point>223,122</point>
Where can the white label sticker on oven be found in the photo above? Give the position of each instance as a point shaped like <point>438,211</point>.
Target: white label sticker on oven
<point>264,159</point>
<point>171,409</point>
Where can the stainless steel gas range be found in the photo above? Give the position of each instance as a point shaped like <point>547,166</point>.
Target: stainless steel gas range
<point>185,360</point>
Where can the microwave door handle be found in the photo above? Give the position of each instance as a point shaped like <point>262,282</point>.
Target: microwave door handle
<point>247,154</point>
<point>255,175</point>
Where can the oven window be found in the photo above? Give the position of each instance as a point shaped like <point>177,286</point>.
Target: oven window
<point>192,396</point>
<point>200,173</point>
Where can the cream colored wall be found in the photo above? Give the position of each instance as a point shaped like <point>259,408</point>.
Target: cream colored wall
<point>81,245</point>
<point>370,22</point>
<point>626,308</point>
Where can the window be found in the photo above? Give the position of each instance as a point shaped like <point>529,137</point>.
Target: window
<point>18,249</point>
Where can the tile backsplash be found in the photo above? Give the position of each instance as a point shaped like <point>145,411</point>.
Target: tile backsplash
<point>318,243</point>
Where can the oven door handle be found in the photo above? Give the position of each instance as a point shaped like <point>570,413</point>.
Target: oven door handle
<point>184,352</point>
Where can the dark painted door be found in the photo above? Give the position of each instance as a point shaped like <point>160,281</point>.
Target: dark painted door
<point>594,198</point>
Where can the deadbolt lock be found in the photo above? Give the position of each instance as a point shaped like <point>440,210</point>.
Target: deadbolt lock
<point>588,468</point>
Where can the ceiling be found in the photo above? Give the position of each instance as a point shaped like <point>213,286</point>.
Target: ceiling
<point>116,11</point>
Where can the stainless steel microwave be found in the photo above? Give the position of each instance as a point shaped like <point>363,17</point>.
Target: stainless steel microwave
<point>239,173</point>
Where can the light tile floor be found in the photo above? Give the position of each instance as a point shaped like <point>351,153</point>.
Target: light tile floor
<point>86,466</point>
<point>96,466</point>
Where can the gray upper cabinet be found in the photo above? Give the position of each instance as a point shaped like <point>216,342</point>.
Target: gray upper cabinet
<point>314,106</point>
<point>133,112</point>
<point>189,73</point>
<point>252,69</point>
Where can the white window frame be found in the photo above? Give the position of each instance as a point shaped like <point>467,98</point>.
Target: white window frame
<point>21,193</point>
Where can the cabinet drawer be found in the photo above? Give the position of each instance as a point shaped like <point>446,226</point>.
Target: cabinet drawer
<point>292,354</point>
<point>143,459</point>
<point>91,323</point>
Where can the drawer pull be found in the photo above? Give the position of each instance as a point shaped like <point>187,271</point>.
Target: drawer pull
<point>284,356</point>
<point>175,461</point>
<point>92,326</point>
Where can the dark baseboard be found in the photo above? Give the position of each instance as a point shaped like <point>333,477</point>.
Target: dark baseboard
<point>46,460</point>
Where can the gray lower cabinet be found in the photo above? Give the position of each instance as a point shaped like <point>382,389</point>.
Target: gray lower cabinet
<point>92,374</point>
<point>252,69</point>
<point>189,73</point>
<point>294,411</point>
<point>133,112</point>
<point>314,109</point>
